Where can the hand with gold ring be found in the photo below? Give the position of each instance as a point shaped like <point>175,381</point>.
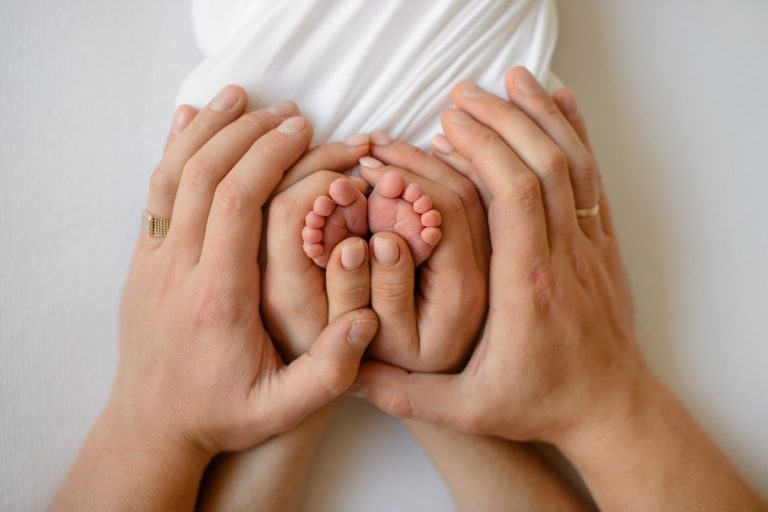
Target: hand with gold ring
<point>558,360</point>
<point>198,373</point>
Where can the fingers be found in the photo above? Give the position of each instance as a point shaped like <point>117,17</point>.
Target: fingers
<point>392,283</point>
<point>333,156</point>
<point>225,108</point>
<point>566,102</point>
<point>516,215</point>
<point>535,149</point>
<point>433,398</point>
<point>317,377</point>
<point>348,278</point>
<point>181,119</point>
<point>207,168</point>
<point>294,287</point>
<point>443,150</point>
<point>530,97</point>
<point>232,235</point>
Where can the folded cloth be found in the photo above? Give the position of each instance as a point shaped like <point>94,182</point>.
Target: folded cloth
<point>360,65</point>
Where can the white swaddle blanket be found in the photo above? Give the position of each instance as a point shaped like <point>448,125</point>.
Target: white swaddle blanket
<point>361,65</point>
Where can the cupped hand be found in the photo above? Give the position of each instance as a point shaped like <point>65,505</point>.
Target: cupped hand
<point>197,366</point>
<point>428,318</point>
<point>558,350</point>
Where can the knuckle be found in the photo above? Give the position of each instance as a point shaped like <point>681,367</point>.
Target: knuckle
<point>554,162</point>
<point>467,191</point>
<point>586,171</point>
<point>354,293</point>
<point>390,290</point>
<point>231,196</point>
<point>399,404</point>
<point>541,287</point>
<point>489,138</point>
<point>199,170</point>
<point>334,379</point>
<point>162,181</point>
<point>525,189</point>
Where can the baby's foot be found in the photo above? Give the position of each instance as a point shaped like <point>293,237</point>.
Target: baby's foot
<point>337,216</point>
<point>407,211</point>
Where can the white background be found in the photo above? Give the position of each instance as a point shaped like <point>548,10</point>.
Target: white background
<point>675,93</point>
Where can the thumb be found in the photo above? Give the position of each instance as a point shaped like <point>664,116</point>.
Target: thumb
<point>320,375</point>
<point>429,397</point>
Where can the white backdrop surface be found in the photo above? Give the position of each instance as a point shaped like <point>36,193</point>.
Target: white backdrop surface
<point>675,93</point>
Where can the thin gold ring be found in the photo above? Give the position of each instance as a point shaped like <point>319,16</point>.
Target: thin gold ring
<point>154,225</point>
<point>585,213</point>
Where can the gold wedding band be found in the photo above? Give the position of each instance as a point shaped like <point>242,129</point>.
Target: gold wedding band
<point>585,213</point>
<point>154,226</point>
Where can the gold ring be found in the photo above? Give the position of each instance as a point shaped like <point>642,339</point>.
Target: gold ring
<point>154,226</point>
<point>585,213</point>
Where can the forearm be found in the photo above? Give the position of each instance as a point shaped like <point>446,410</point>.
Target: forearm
<point>657,458</point>
<point>123,465</point>
<point>268,477</point>
<point>488,473</point>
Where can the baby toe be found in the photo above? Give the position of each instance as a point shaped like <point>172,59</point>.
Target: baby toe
<point>324,206</point>
<point>391,185</point>
<point>311,235</point>
<point>422,204</point>
<point>313,250</point>
<point>344,192</point>
<point>431,235</point>
<point>432,218</point>
<point>412,193</point>
<point>314,220</point>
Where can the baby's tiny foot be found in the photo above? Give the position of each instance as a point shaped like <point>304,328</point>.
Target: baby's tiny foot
<point>407,211</point>
<point>340,214</point>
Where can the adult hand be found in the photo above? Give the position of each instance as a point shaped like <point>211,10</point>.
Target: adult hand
<point>558,360</point>
<point>428,320</point>
<point>558,349</point>
<point>198,373</point>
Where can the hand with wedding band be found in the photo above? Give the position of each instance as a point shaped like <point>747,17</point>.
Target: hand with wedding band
<point>198,373</point>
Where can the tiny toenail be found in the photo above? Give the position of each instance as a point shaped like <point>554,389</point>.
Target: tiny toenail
<point>370,162</point>
<point>471,90</point>
<point>386,251</point>
<point>361,139</point>
<point>380,138</point>
<point>458,117</point>
<point>352,255</point>
<point>441,144</point>
<point>525,81</point>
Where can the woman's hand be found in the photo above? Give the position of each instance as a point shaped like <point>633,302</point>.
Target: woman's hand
<point>198,373</point>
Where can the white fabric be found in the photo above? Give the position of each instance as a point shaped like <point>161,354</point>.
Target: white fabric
<point>356,66</point>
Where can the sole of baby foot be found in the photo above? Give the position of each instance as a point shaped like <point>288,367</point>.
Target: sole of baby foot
<point>406,210</point>
<point>336,216</point>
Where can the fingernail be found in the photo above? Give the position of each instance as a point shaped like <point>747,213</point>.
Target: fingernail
<point>283,108</point>
<point>569,102</point>
<point>292,125</point>
<point>361,139</point>
<point>370,162</point>
<point>361,333</point>
<point>458,117</point>
<point>441,144</point>
<point>226,99</point>
<point>386,251</point>
<point>380,138</point>
<point>180,121</point>
<point>525,82</point>
<point>357,390</point>
<point>472,90</point>
<point>352,255</point>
